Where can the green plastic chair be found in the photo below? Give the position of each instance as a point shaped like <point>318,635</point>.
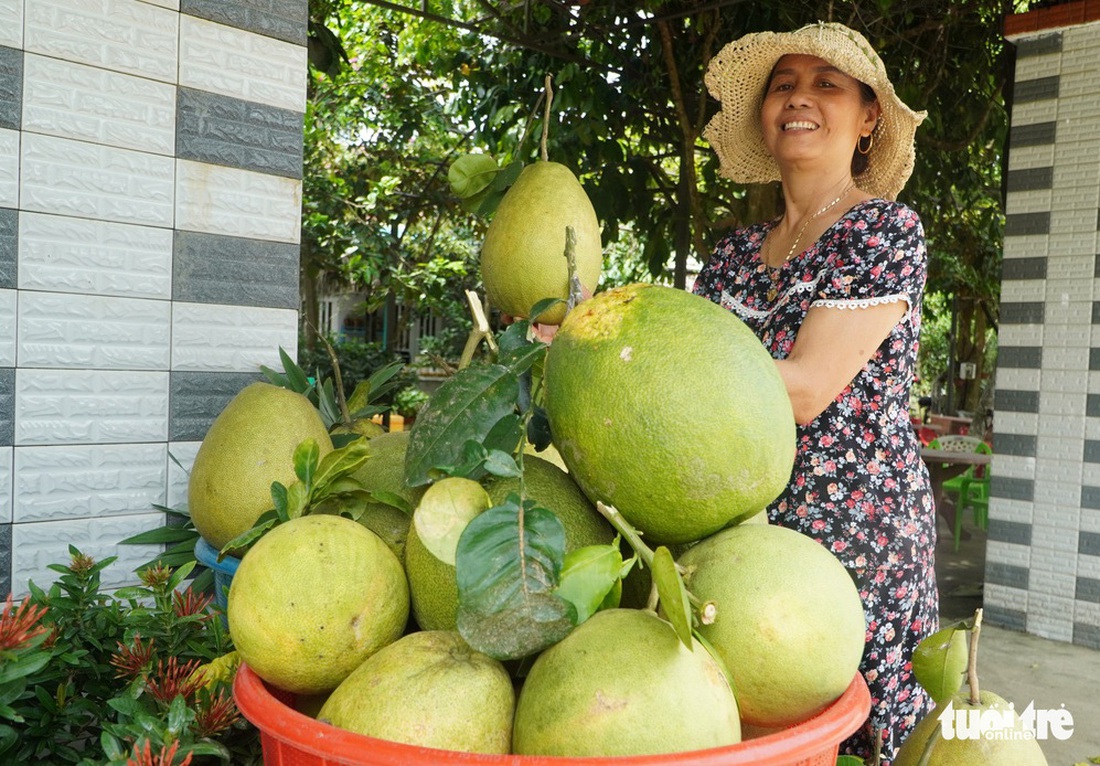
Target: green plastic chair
<point>970,489</point>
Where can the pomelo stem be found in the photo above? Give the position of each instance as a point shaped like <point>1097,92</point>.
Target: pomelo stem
<point>546,117</point>
<point>480,331</point>
<point>576,289</point>
<point>972,662</point>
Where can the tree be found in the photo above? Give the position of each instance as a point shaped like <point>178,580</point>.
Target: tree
<point>630,108</point>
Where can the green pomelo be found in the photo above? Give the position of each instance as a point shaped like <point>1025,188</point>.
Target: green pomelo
<point>384,473</point>
<point>621,684</point>
<point>249,445</point>
<point>447,507</point>
<point>312,599</point>
<point>428,689</point>
<point>940,661</point>
<point>523,255</point>
<point>998,736</point>
<point>554,489</point>
<point>666,406</point>
<point>364,427</point>
<point>790,626</point>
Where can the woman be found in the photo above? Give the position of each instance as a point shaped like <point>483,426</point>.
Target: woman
<point>833,289</point>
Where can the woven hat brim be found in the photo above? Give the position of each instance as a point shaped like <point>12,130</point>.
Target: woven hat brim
<point>738,75</point>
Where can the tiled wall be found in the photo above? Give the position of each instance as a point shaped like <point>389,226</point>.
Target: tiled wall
<point>1043,555</point>
<point>150,205</point>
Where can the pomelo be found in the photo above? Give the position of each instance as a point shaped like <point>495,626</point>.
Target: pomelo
<point>312,599</point>
<point>523,255</point>
<point>790,625</point>
<point>249,445</point>
<point>384,472</point>
<point>429,689</point>
<point>998,738</point>
<point>622,683</point>
<point>446,508</point>
<point>666,406</point>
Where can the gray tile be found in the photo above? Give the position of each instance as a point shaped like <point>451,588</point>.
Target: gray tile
<point>1024,268</point>
<point>1006,574</point>
<point>214,268</point>
<point>1022,312</point>
<point>1020,445</point>
<point>1023,357</point>
<point>9,246</point>
<point>1090,497</point>
<point>1086,635</point>
<point>11,88</point>
<point>1022,224</point>
<point>1038,134</point>
<point>1029,179</point>
<point>1013,619</point>
<point>241,134</point>
<point>7,406</point>
<point>1092,451</point>
<point>1007,400</point>
<point>196,398</point>
<point>1014,532</point>
<point>1012,488</point>
<point>1094,358</point>
<point>1088,589</point>
<point>1088,543</point>
<point>283,19</point>
<point>1039,89</point>
<point>5,558</point>
<point>1092,405</point>
<point>1039,46</point>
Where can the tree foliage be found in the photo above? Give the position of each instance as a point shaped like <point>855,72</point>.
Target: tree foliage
<point>432,80</point>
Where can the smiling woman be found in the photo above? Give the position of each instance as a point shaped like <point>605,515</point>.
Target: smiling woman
<point>833,289</point>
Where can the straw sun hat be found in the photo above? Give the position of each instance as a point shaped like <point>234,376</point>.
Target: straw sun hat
<point>738,75</point>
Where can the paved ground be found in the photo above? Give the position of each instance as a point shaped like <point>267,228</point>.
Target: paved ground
<point>1019,667</point>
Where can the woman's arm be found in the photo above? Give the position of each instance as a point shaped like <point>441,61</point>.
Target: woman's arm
<point>832,346</point>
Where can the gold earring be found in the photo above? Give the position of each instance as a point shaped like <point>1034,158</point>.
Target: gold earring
<point>870,142</point>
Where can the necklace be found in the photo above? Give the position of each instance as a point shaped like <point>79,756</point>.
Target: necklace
<point>772,292</point>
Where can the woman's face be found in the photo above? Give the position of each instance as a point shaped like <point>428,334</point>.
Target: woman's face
<point>813,112</point>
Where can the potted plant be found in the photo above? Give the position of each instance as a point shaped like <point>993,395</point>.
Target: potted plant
<point>408,402</point>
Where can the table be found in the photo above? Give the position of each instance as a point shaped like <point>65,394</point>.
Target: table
<point>951,424</point>
<point>944,464</point>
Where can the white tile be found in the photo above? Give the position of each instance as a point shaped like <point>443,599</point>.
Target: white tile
<point>237,203</point>
<point>120,35</point>
<point>90,406</point>
<point>79,255</point>
<point>6,491</point>
<point>8,313</point>
<point>36,546</point>
<point>242,64</point>
<point>9,168</point>
<point>11,23</point>
<point>181,456</point>
<point>88,481</point>
<point>93,181</point>
<point>93,332</point>
<point>173,4</point>
<point>208,337</point>
<point>71,100</point>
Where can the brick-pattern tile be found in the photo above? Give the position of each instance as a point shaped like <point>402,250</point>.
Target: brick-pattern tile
<point>282,19</point>
<point>198,398</point>
<point>212,268</point>
<point>90,407</point>
<point>230,338</point>
<point>57,483</point>
<point>91,104</point>
<point>79,255</point>
<point>9,300</point>
<point>11,87</point>
<point>9,246</point>
<point>7,406</point>
<point>120,35</point>
<point>93,332</point>
<point>237,203</point>
<point>6,483</point>
<point>11,23</point>
<point>9,168</point>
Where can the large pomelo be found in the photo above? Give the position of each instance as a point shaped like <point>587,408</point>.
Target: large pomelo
<point>622,683</point>
<point>384,473</point>
<point>790,625</point>
<point>312,599</point>
<point>429,689</point>
<point>553,488</point>
<point>666,406</point>
<point>523,255</point>
<point>249,445</point>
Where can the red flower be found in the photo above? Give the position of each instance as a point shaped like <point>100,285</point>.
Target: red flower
<point>19,627</point>
<point>154,576</point>
<point>215,714</point>
<point>144,756</point>
<point>131,662</point>
<point>172,679</point>
<point>189,603</point>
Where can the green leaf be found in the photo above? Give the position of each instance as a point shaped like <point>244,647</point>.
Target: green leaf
<point>470,174</point>
<point>180,574</point>
<point>543,306</point>
<point>338,465</point>
<point>465,407</point>
<point>521,358</point>
<point>246,538</point>
<point>500,463</point>
<point>849,760</point>
<point>507,176</point>
<point>162,536</point>
<point>940,661</point>
<point>507,565</point>
<point>279,499</point>
<point>306,456</point>
<point>672,593</point>
<point>505,434</point>
<point>297,500</point>
<point>588,576</point>
<point>392,498</point>
<point>538,429</point>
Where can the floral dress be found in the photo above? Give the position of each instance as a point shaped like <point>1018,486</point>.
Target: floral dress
<point>858,486</point>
